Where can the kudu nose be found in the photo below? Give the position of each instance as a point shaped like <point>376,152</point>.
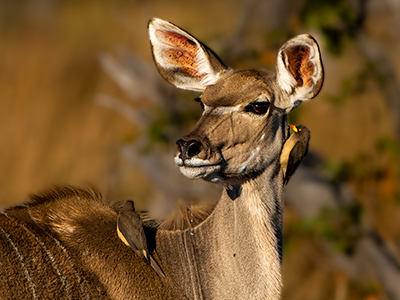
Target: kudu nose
<point>188,149</point>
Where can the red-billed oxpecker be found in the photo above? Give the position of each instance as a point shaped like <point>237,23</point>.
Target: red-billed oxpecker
<point>130,230</point>
<point>294,150</point>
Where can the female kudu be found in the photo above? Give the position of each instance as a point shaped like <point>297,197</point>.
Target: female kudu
<point>64,244</point>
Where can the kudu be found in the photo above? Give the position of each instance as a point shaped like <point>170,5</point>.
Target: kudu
<point>64,243</point>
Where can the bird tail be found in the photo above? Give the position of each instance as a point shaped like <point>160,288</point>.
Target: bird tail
<point>156,267</point>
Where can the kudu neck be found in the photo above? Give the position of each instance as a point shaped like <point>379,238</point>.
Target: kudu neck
<point>242,237</point>
<point>263,196</point>
<point>266,185</point>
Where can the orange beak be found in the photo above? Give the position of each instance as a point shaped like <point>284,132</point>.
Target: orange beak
<point>294,128</point>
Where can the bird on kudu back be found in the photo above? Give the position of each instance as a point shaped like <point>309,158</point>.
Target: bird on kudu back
<point>131,231</point>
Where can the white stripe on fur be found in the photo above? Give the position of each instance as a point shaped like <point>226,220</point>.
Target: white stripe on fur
<point>21,259</point>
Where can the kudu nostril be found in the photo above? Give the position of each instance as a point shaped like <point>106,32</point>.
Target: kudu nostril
<point>193,148</point>
<point>188,149</point>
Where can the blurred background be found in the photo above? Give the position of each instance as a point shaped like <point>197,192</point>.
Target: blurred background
<point>81,103</point>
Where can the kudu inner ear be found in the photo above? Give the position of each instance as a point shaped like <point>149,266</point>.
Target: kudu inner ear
<point>299,69</point>
<point>181,59</point>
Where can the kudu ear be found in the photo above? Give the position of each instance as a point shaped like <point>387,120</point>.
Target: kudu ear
<point>299,69</point>
<point>181,59</point>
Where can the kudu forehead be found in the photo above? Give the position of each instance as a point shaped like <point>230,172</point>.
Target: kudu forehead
<point>240,87</point>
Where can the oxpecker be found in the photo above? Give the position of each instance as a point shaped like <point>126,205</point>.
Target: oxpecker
<point>130,230</point>
<point>294,150</point>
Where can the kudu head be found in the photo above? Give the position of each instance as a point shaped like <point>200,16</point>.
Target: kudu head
<point>244,123</point>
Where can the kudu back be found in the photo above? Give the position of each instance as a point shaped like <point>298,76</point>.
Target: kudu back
<point>63,244</point>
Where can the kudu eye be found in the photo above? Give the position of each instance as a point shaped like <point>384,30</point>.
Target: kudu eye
<point>258,108</point>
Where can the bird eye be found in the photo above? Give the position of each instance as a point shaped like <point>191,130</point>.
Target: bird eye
<point>258,108</point>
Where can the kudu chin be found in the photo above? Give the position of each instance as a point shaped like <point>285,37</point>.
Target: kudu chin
<point>63,244</point>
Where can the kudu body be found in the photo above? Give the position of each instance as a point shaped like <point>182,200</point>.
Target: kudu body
<point>64,242</point>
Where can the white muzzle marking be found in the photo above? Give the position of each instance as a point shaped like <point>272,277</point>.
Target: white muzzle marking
<point>195,168</point>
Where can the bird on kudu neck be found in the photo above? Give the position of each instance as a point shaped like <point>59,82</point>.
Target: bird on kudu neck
<point>294,150</point>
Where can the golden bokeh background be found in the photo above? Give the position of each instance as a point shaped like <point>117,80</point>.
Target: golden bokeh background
<point>56,130</point>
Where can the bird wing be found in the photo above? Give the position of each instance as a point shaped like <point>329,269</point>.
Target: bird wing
<point>285,153</point>
<point>296,155</point>
<point>293,152</point>
<point>131,232</point>
<point>156,267</point>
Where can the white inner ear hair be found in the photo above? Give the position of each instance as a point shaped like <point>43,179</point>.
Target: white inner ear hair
<point>203,67</point>
<point>161,45</point>
<point>285,78</point>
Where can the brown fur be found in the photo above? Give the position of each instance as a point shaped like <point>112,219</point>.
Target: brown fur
<point>183,217</point>
<point>67,241</point>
